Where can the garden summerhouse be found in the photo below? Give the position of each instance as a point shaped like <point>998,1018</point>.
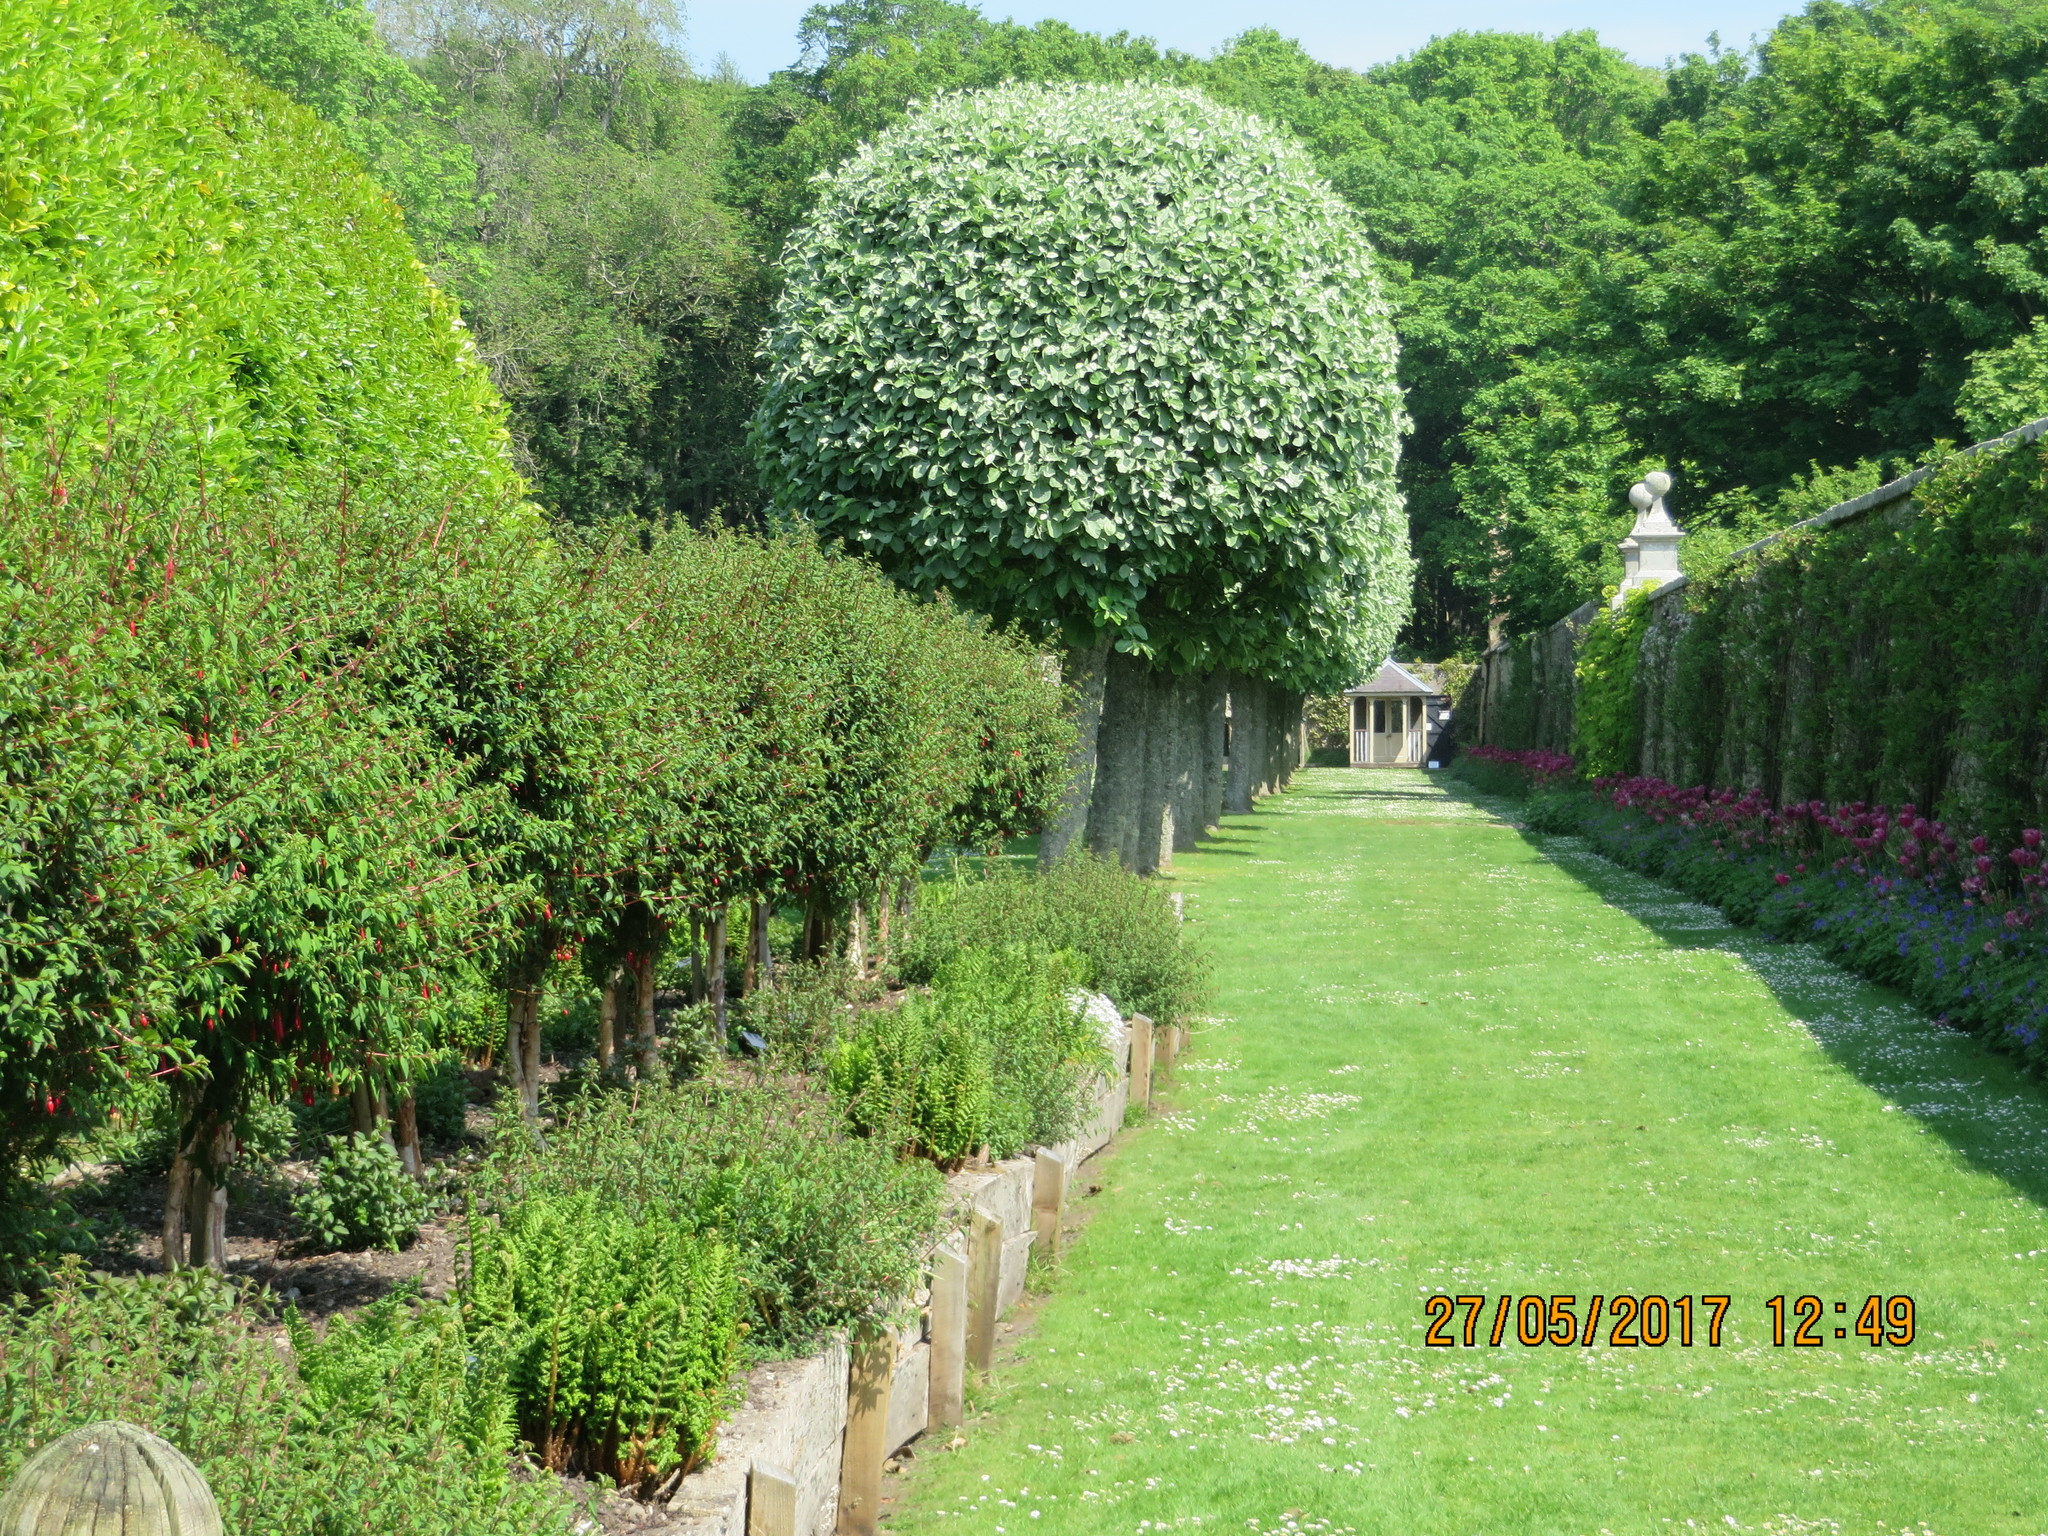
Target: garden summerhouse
<point>1396,719</point>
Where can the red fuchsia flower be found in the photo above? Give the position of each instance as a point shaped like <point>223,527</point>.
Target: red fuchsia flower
<point>1782,878</point>
<point>1979,844</point>
<point>2031,837</point>
<point>1983,865</point>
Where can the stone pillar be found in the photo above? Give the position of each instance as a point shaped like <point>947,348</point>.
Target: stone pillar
<point>1649,554</point>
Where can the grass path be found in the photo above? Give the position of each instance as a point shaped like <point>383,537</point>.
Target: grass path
<point>1448,1059</point>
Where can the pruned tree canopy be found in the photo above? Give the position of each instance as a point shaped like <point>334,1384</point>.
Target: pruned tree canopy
<point>1100,359</point>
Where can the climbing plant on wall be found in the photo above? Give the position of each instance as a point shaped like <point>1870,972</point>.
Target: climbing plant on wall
<point>1606,720</point>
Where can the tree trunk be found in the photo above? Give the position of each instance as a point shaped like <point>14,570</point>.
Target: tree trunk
<point>641,967</point>
<point>818,931</point>
<point>209,1198</point>
<point>515,1049</point>
<point>1285,706</point>
<point>608,1020</point>
<point>368,1110</point>
<point>1119,761</point>
<point>718,977</point>
<point>529,1048</point>
<point>1189,718</point>
<point>750,954</point>
<point>176,1193</point>
<point>698,989</point>
<point>857,939</point>
<point>1155,805</point>
<point>883,903</point>
<point>1085,672</point>
<point>761,945</point>
<point>1242,789</point>
<point>405,1134</point>
<point>1215,699</point>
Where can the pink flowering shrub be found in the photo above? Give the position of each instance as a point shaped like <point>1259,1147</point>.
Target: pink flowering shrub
<point>1505,771</point>
<point>1954,920</point>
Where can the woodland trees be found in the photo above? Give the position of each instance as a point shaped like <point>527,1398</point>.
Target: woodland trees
<point>1759,270</point>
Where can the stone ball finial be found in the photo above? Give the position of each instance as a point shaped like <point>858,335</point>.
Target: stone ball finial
<point>109,1476</point>
<point>1640,496</point>
<point>1658,482</point>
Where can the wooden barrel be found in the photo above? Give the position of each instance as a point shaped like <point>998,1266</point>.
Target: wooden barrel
<point>109,1479</point>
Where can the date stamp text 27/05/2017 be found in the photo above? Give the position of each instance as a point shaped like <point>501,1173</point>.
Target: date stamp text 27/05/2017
<point>1652,1321</point>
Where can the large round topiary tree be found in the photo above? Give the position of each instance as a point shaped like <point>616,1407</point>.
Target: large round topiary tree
<point>1110,362</point>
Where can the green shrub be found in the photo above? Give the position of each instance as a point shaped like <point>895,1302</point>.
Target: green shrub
<point>1028,1005</point>
<point>1123,927</point>
<point>440,1101</point>
<point>621,1334</point>
<point>409,1355</point>
<point>830,1229</point>
<point>1606,722</point>
<point>386,1425</point>
<point>801,1015</point>
<point>959,384</point>
<point>361,1197</point>
<point>1562,812</point>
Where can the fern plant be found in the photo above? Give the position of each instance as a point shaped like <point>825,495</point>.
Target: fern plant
<point>997,1054</point>
<point>922,1074</point>
<point>621,1336</point>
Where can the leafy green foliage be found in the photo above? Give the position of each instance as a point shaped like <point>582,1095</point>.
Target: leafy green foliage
<point>621,1333</point>
<point>1918,644</point>
<point>830,1229</point>
<point>253,292</point>
<point>1837,231</point>
<point>1493,169</point>
<point>225,864</point>
<point>360,1197</point>
<point>2008,387</point>
<point>383,1425</point>
<point>1607,719</point>
<point>998,1054</point>
<point>800,1014</point>
<point>1123,928</point>
<point>957,387</point>
<point>1046,1052</point>
<point>561,169</point>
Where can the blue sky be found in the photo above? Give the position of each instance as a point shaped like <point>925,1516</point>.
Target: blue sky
<point>760,35</point>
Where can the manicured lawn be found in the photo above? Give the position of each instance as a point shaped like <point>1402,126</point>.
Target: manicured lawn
<point>1450,1060</point>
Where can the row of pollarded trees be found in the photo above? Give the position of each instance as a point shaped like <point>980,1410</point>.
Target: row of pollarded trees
<point>1110,363</point>
<point>1158,759</point>
<point>296,786</point>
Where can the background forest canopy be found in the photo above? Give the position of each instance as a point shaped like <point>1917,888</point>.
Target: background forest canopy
<point>1780,272</point>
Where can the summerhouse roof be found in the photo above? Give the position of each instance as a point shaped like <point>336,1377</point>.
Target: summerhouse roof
<point>1393,678</point>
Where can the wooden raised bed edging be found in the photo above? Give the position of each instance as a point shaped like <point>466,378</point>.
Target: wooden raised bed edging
<point>778,1470</point>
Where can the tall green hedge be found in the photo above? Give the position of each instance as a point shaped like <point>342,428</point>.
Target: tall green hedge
<point>1900,657</point>
<point>189,257</point>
